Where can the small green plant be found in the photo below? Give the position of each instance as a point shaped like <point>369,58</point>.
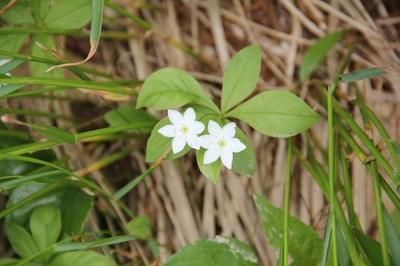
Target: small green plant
<point>48,203</point>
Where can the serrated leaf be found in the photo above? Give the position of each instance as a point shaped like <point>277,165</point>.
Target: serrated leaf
<point>213,252</point>
<point>276,113</point>
<point>45,225</point>
<point>171,88</point>
<point>54,133</point>
<point>20,240</point>
<point>315,53</point>
<point>68,14</point>
<point>139,227</point>
<point>362,74</point>
<point>87,258</point>
<point>304,247</point>
<point>240,76</point>
<point>158,145</point>
<point>128,114</point>
<point>39,69</point>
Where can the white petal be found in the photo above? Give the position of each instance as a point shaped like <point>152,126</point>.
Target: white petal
<point>175,117</point>
<point>191,140</point>
<point>214,129</point>
<point>229,130</point>
<point>197,127</point>
<point>178,143</point>
<point>189,116</point>
<point>206,141</point>
<point>235,145</point>
<point>211,156</point>
<point>227,158</point>
<point>168,131</point>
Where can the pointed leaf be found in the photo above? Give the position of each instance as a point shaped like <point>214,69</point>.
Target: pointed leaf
<point>372,248</point>
<point>240,76</point>
<point>10,65</point>
<point>213,252</point>
<point>171,88</point>
<point>68,14</point>
<point>392,237</point>
<point>276,113</point>
<point>20,240</point>
<point>45,224</point>
<point>158,145</point>
<point>63,247</point>
<point>315,53</point>
<point>128,114</point>
<point>87,258</point>
<point>139,227</point>
<point>6,89</point>
<point>12,43</point>
<point>305,246</point>
<point>211,170</point>
<point>362,74</point>
<point>54,133</point>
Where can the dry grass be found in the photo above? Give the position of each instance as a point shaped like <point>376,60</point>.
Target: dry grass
<point>181,203</point>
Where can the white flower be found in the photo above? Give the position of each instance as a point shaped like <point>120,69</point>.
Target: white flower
<point>184,129</point>
<point>220,143</point>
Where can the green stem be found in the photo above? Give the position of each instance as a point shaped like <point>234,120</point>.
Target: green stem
<point>331,172</point>
<point>379,211</point>
<point>287,204</point>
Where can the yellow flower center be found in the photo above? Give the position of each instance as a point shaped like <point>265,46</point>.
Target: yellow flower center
<point>184,129</point>
<point>221,143</point>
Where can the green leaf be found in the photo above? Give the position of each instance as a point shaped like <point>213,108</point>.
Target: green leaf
<point>244,162</point>
<point>54,133</point>
<point>75,208</point>
<point>10,65</point>
<point>315,53</point>
<point>392,237</point>
<point>276,113</point>
<point>305,246</point>
<point>139,227</point>
<point>128,114</point>
<point>240,76</point>
<point>6,89</point>
<point>362,74</point>
<point>20,240</point>
<point>9,262</point>
<point>12,43</point>
<point>158,145</point>
<point>68,14</point>
<point>19,14</point>
<point>372,248</point>
<point>39,69</point>
<point>87,258</point>
<point>213,252</point>
<point>73,202</point>
<point>211,170</point>
<point>39,8</point>
<point>45,224</point>
<point>396,146</point>
<point>63,247</point>
<point>171,88</point>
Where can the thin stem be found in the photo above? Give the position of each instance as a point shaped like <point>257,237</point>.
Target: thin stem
<point>287,203</point>
<point>379,211</point>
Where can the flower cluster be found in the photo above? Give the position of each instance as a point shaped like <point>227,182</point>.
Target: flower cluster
<point>220,143</point>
